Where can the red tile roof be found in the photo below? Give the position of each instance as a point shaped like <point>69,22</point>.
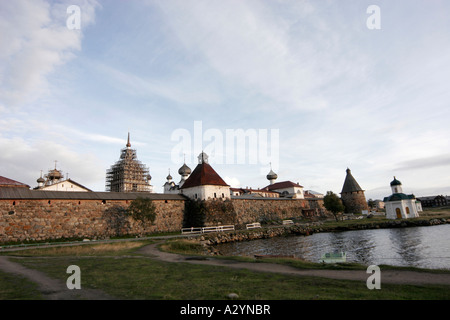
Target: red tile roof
<point>203,175</point>
<point>6,182</point>
<point>282,185</point>
<point>252,190</point>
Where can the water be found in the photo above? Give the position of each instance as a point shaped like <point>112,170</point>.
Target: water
<point>424,247</point>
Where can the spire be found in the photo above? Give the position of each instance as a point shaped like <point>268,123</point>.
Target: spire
<point>128,141</point>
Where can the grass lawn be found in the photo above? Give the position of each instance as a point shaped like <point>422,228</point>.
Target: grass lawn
<point>143,278</point>
<point>118,271</point>
<point>14,287</point>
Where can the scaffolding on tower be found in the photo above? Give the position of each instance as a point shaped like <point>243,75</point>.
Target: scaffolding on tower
<point>128,174</point>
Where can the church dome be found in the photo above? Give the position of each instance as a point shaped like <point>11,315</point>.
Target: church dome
<point>40,180</point>
<point>395,182</point>
<point>54,174</point>
<point>184,170</point>
<point>272,175</point>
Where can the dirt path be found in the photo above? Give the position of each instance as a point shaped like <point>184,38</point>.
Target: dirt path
<point>51,289</point>
<point>387,276</point>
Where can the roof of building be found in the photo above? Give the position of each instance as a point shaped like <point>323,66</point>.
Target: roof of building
<point>313,194</point>
<point>70,181</point>
<point>6,182</point>
<point>27,194</point>
<point>250,190</point>
<point>256,196</point>
<point>428,198</point>
<point>282,185</point>
<point>350,184</point>
<point>399,197</point>
<point>204,175</point>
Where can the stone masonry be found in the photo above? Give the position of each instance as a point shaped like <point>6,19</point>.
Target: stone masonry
<point>52,219</point>
<point>37,220</point>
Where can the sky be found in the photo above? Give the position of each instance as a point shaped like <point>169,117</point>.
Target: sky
<point>316,87</point>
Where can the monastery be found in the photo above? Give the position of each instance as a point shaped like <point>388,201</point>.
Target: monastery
<point>59,207</point>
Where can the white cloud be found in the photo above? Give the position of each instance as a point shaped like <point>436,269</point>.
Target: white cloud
<point>22,161</point>
<point>232,182</point>
<point>250,45</point>
<point>36,42</point>
<point>180,89</point>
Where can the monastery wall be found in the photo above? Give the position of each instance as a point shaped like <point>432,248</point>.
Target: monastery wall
<point>35,220</point>
<point>43,219</point>
<point>240,212</point>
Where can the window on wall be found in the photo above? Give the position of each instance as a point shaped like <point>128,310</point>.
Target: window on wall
<point>215,196</point>
<point>407,210</point>
<point>195,196</point>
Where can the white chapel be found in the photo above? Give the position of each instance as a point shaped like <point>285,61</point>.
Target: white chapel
<point>400,205</point>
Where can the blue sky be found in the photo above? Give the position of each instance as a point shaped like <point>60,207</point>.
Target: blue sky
<point>340,94</point>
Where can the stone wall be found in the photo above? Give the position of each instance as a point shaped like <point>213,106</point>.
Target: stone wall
<point>36,220</point>
<point>354,202</point>
<point>240,212</point>
<point>44,219</point>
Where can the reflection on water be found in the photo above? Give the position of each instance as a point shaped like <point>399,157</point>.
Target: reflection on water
<point>425,247</point>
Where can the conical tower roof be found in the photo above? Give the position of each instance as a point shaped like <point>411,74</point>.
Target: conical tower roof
<point>350,184</point>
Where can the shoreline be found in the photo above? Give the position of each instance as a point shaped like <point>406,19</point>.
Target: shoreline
<point>209,241</point>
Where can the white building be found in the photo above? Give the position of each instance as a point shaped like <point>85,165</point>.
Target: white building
<point>170,186</point>
<point>204,183</point>
<point>54,181</point>
<point>400,205</point>
<point>287,189</point>
<point>65,185</point>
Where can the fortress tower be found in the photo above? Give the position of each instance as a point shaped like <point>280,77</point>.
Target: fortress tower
<point>352,195</point>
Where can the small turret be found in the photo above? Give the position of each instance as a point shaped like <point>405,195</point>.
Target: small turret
<point>396,186</point>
